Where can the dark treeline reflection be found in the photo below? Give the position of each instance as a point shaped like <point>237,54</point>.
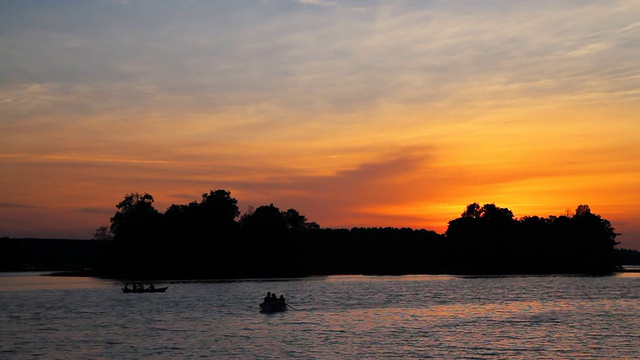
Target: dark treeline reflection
<point>210,239</point>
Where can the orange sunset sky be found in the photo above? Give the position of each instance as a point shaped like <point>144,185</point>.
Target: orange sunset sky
<point>355,113</point>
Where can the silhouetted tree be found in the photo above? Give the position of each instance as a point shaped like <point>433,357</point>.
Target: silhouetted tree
<point>488,239</point>
<point>582,210</point>
<point>266,220</point>
<point>183,218</point>
<point>136,217</point>
<point>102,234</point>
<point>296,222</point>
<point>186,235</point>
<point>138,235</point>
<point>496,215</point>
<point>480,238</point>
<point>593,240</point>
<point>278,240</point>
<point>203,234</point>
<point>472,211</point>
<point>212,218</point>
<point>628,257</point>
<point>220,208</point>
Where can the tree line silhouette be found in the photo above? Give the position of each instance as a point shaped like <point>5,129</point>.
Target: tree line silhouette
<point>210,239</point>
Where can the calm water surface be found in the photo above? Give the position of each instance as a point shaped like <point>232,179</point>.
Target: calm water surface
<point>338,317</point>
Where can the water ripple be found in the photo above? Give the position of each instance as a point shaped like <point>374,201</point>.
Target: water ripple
<point>354,317</point>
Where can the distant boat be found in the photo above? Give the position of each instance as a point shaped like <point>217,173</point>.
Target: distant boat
<point>141,289</point>
<point>271,307</point>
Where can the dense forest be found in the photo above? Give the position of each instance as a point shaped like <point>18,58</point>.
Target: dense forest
<point>29,254</point>
<point>210,238</point>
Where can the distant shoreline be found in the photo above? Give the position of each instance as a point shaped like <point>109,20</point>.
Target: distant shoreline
<point>66,257</point>
<point>633,268</point>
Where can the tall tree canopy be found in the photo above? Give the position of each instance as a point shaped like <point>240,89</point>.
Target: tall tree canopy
<point>136,217</point>
<point>219,207</point>
<point>488,239</point>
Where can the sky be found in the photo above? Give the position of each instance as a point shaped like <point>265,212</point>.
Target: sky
<point>355,113</point>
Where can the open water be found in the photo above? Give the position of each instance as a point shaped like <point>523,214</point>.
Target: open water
<point>337,317</point>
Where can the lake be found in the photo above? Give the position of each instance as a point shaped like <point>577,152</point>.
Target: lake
<point>337,317</point>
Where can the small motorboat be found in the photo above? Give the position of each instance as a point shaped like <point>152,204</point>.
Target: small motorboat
<point>142,289</point>
<point>272,307</point>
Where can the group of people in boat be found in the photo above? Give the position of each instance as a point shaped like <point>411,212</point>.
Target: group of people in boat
<point>138,287</point>
<point>273,299</point>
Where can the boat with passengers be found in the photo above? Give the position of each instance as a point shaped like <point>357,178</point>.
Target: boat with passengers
<point>139,288</point>
<point>272,304</point>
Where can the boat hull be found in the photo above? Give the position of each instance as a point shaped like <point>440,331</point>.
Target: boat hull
<point>271,308</point>
<point>162,289</point>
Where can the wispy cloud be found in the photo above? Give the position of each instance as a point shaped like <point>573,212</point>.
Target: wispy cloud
<point>15,206</point>
<point>319,2</point>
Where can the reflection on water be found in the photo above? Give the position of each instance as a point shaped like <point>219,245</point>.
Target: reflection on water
<point>339,317</point>
<point>14,281</point>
